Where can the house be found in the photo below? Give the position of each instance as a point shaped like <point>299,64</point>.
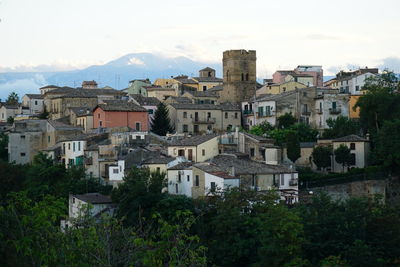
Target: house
<point>34,102</point>
<point>277,88</point>
<point>180,179</point>
<point>207,79</point>
<point>26,139</point>
<point>197,148</point>
<point>81,116</point>
<point>309,75</point>
<point>330,106</point>
<point>90,204</point>
<point>149,103</point>
<point>47,88</point>
<point>120,113</point>
<point>9,111</point>
<point>138,86</point>
<point>359,148</point>
<point>57,131</point>
<point>161,93</point>
<point>73,151</point>
<point>260,176</point>
<point>352,82</point>
<point>158,163</point>
<point>202,97</point>
<point>260,109</point>
<point>305,160</point>
<point>202,118</point>
<point>210,179</point>
<point>253,145</point>
<point>89,84</point>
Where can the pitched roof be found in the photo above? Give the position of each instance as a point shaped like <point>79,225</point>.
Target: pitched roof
<point>243,166</point>
<point>203,93</point>
<point>256,137</point>
<point>35,96</point>
<point>120,105</point>
<point>350,138</point>
<point>94,198</point>
<point>182,166</point>
<point>81,111</point>
<point>180,99</point>
<point>62,126</point>
<point>49,86</point>
<point>193,141</point>
<point>207,79</point>
<point>158,160</point>
<point>207,69</point>
<point>216,88</point>
<point>145,101</point>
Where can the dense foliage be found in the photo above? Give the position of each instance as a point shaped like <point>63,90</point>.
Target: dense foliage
<point>321,156</point>
<point>152,228</point>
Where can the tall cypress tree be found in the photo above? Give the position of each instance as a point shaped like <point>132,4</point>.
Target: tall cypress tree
<point>161,124</point>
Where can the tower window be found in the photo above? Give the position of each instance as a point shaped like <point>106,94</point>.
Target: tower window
<point>242,76</point>
<point>247,76</point>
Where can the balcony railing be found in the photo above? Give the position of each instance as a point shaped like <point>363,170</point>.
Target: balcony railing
<point>203,121</point>
<point>319,111</point>
<point>306,113</point>
<point>293,182</point>
<point>247,112</point>
<point>267,114</point>
<point>335,110</point>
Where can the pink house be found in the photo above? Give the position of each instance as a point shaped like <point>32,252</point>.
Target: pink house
<point>120,113</point>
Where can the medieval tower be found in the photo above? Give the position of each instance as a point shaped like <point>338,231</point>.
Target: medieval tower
<point>239,70</point>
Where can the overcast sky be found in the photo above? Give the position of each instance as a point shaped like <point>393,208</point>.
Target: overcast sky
<point>77,33</point>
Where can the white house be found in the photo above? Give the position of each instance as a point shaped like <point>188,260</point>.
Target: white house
<point>34,103</point>
<point>180,179</point>
<point>116,172</point>
<point>357,83</point>
<point>217,182</point>
<point>73,151</point>
<point>359,149</point>
<point>330,106</point>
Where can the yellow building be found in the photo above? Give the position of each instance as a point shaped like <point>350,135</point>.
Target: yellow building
<point>278,88</point>
<point>354,114</point>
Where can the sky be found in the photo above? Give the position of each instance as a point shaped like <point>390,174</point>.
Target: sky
<point>64,35</point>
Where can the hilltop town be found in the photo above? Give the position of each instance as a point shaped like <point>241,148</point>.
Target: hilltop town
<point>293,136</point>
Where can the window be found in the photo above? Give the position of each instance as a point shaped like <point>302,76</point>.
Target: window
<point>357,88</point>
<point>185,128</point>
<point>226,115</point>
<point>212,187</point>
<point>203,152</point>
<point>35,102</point>
<point>208,115</point>
<point>69,146</point>
<point>150,111</point>
<point>185,114</point>
<point>247,76</point>
<point>282,179</point>
<point>115,171</point>
<point>252,152</point>
<point>176,188</point>
<point>353,146</point>
<point>209,127</point>
<point>352,159</point>
<point>260,111</point>
<point>98,115</point>
<point>304,93</point>
<point>197,181</point>
<point>236,115</point>
<point>137,126</point>
<point>48,138</point>
<point>333,105</point>
<point>158,169</point>
<point>100,123</point>
<point>22,154</point>
<point>179,177</point>
<point>204,88</point>
<point>73,145</point>
<point>22,136</point>
<point>188,178</point>
<point>242,76</point>
<point>120,168</point>
<point>253,180</point>
<point>181,153</point>
<point>79,146</point>
<point>73,200</point>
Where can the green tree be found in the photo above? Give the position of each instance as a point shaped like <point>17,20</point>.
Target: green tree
<point>161,123</point>
<point>387,148</point>
<point>261,129</point>
<point>380,103</point>
<point>293,146</point>
<point>286,120</point>
<point>138,196</point>
<point>10,120</point>
<point>341,126</point>
<point>343,155</point>
<point>321,156</point>
<point>12,98</point>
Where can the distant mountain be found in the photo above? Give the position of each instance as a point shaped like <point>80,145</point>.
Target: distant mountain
<point>116,73</point>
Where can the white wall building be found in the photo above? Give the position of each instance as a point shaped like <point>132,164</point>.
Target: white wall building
<point>72,152</point>
<point>34,103</point>
<point>330,106</point>
<point>180,179</point>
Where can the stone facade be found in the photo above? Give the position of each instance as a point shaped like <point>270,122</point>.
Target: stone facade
<point>239,72</point>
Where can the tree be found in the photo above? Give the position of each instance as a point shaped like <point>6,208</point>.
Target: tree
<point>261,129</point>
<point>161,124</point>
<point>285,121</point>
<point>343,155</point>
<point>12,98</point>
<point>322,156</point>
<point>387,148</point>
<point>293,146</point>
<point>341,126</point>
<point>10,120</point>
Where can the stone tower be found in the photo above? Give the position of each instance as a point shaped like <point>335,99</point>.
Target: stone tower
<point>239,68</point>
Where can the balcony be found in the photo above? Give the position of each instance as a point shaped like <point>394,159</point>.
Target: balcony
<point>306,113</point>
<point>293,182</point>
<point>267,114</point>
<point>203,121</point>
<point>335,111</point>
<point>247,112</point>
<point>319,111</point>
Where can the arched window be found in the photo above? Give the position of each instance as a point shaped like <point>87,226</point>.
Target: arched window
<point>227,76</point>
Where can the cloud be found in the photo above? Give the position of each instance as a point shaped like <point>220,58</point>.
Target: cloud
<point>390,63</point>
<point>22,86</point>
<point>135,61</point>
<point>322,37</point>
